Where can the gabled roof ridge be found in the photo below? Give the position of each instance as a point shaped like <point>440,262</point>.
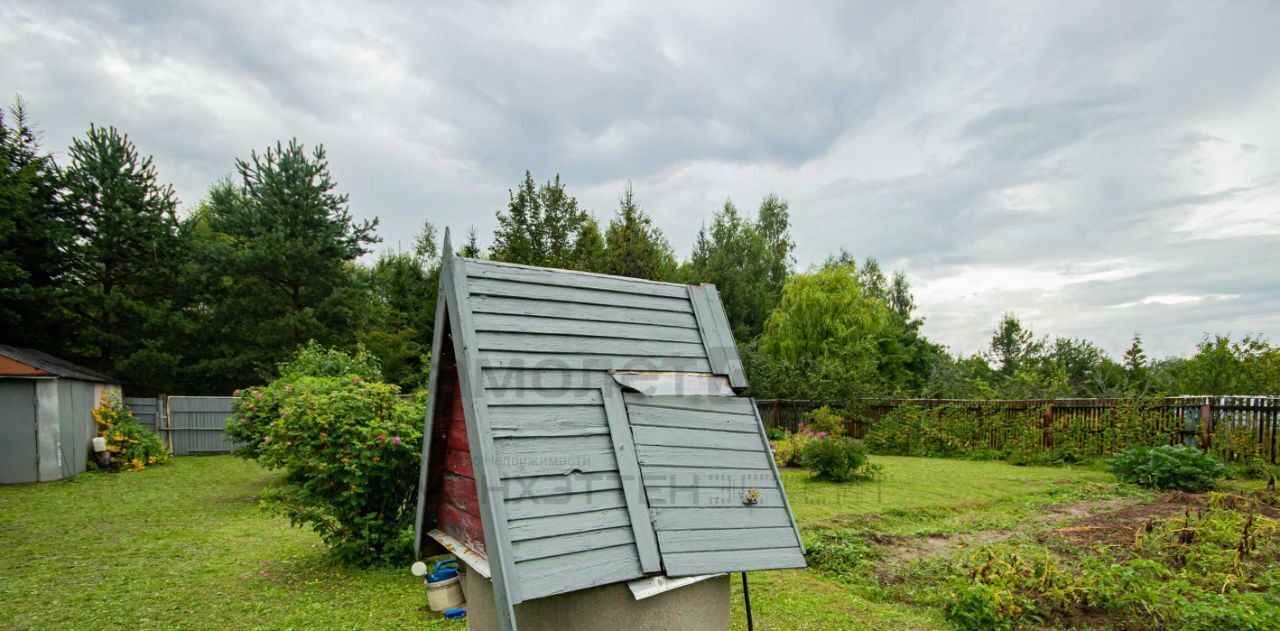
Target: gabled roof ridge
<point>575,272</point>
<point>54,365</point>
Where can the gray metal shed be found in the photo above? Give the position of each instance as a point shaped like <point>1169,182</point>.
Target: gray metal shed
<point>46,420</point>
<point>584,430</point>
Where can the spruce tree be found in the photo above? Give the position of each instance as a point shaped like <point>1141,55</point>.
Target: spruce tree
<point>35,232</point>
<point>282,263</point>
<point>121,280</point>
<point>634,246</point>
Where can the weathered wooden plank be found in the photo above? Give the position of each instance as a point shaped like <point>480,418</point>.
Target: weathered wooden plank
<point>549,428</point>
<point>579,361</point>
<point>725,539</point>
<point>715,518</point>
<point>624,450</point>
<point>539,379</point>
<point>699,497</point>
<point>568,544</point>
<point>511,289</point>
<point>461,492</point>
<point>457,438</point>
<point>680,437</point>
<point>723,405</point>
<point>697,563</point>
<point>525,457</point>
<point>773,468</point>
<point>519,416</point>
<point>504,323</point>
<point>543,486</point>
<point>689,419</point>
<point>545,396</point>
<point>506,591</point>
<point>530,507</point>
<point>705,477</point>
<point>733,363</point>
<point>458,462</point>
<point>707,325</point>
<point>570,278</point>
<point>462,526</point>
<point>560,525</point>
<point>537,343</point>
<point>709,478</point>
<point>579,570</point>
<point>576,311</point>
<point>691,456</point>
<point>666,383</point>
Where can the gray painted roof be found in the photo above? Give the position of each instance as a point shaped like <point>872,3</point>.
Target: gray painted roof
<point>53,365</point>
<point>582,483</point>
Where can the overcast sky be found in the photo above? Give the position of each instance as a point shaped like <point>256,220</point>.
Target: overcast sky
<point>1099,169</point>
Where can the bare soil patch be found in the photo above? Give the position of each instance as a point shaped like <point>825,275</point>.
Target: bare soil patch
<point>900,550</point>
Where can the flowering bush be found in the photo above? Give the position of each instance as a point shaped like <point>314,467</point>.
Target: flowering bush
<point>130,444</point>
<point>787,450</point>
<point>349,448</point>
<point>257,407</point>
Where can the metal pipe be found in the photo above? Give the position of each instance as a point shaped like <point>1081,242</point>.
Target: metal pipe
<point>746,599</point>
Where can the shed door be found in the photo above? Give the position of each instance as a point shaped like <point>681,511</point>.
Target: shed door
<point>17,431</point>
<point>715,498</point>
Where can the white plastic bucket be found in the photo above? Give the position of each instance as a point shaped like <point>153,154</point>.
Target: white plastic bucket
<point>446,594</point>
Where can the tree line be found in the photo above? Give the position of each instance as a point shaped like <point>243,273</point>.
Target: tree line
<point>98,265</point>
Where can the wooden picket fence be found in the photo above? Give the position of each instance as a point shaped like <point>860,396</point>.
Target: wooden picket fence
<point>1230,427</point>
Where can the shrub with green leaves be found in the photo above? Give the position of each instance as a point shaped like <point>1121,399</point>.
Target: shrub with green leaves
<point>839,459</point>
<point>257,407</point>
<point>825,421</point>
<point>1167,467</point>
<point>349,448</point>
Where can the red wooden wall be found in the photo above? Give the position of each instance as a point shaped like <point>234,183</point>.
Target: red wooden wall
<point>452,504</point>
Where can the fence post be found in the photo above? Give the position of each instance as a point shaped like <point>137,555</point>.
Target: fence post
<point>1047,431</point>
<point>162,408</point>
<point>1206,422</point>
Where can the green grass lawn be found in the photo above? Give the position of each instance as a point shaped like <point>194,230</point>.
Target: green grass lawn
<point>184,545</point>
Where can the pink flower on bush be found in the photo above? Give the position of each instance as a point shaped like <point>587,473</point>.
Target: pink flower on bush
<point>395,441</point>
<point>822,434</point>
<point>259,396</point>
<point>236,392</point>
<point>382,436</point>
<point>288,388</point>
<point>355,380</point>
<point>266,439</point>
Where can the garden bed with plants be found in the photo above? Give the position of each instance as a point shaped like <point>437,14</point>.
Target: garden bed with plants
<point>1167,545</point>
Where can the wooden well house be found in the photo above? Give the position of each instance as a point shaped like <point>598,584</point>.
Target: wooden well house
<point>584,439</point>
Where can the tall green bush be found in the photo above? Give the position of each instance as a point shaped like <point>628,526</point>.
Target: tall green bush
<point>349,448</point>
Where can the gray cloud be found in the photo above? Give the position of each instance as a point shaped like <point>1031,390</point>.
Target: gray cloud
<point>1098,168</point>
